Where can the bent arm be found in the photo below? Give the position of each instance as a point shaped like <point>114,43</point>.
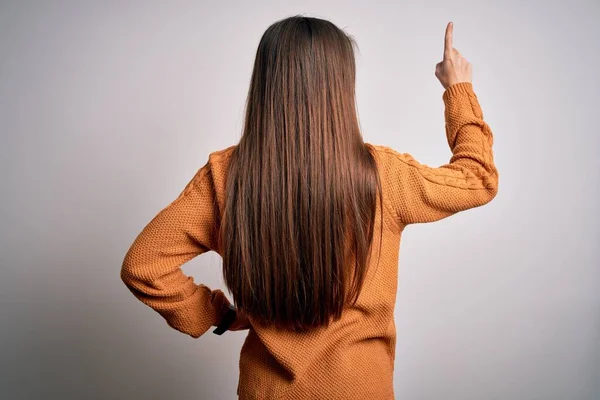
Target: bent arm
<point>151,268</point>
<point>425,194</point>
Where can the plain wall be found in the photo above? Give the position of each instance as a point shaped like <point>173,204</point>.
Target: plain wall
<point>107,109</point>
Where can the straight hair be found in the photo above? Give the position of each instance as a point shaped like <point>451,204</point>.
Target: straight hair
<point>298,223</point>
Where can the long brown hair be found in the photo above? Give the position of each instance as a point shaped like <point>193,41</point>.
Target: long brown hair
<point>301,184</point>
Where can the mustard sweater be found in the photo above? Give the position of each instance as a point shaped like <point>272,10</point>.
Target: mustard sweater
<point>354,357</point>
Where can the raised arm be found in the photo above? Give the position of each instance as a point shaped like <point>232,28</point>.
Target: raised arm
<point>424,194</point>
<point>420,193</point>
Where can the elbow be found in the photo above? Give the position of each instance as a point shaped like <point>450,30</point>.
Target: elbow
<point>124,275</point>
<point>491,194</point>
<point>485,190</point>
<point>134,274</point>
<point>127,268</point>
<point>492,184</point>
<point>491,190</point>
<point>494,191</point>
<point>131,278</point>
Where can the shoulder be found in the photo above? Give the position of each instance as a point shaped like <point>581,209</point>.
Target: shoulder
<point>212,176</point>
<point>388,156</point>
<point>219,159</point>
<point>222,154</point>
<point>217,163</point>
<point>211,172</point>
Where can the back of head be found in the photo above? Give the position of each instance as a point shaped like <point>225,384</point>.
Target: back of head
<point>301,193</point>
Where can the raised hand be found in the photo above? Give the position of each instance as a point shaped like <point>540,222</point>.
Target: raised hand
<point>454,67</point>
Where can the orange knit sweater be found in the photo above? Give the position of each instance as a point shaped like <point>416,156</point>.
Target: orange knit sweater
<point>354,357</point>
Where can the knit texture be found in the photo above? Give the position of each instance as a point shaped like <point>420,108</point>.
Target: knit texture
<point>353,358</point>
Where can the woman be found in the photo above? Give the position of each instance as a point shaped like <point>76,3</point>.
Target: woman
<point>308,219</point>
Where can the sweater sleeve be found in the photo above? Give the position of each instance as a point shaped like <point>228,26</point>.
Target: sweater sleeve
<point>420,193</point>
<point>151,268</point>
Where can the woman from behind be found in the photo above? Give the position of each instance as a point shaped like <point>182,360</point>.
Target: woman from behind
<point>308,219</point>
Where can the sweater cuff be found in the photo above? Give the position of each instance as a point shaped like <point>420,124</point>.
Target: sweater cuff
<point>458,88</point>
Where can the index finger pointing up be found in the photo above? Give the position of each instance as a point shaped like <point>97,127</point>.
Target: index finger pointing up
<point>448,40</point>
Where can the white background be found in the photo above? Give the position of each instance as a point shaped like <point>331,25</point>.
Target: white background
<point>107,109</point>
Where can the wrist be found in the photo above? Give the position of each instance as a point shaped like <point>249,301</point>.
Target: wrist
<point>456,88</point>
<point>227,317</point>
